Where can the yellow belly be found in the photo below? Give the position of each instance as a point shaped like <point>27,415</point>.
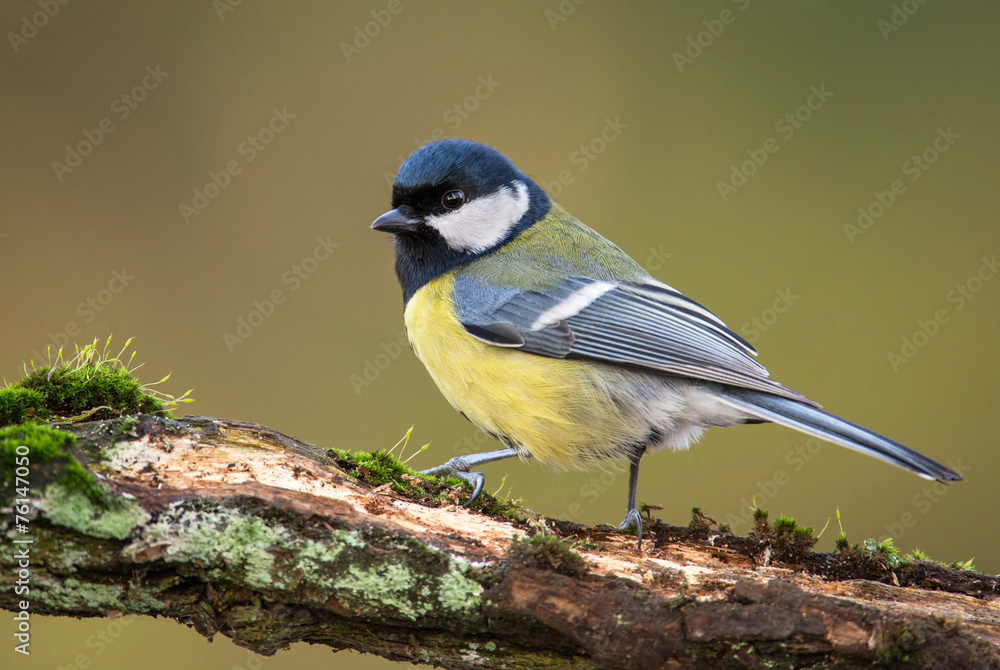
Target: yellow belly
<point>563,412</point>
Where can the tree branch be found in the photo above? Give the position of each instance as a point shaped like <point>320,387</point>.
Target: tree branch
<point>236,529</point>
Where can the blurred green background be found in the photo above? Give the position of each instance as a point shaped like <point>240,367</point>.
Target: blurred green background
<point>690,89</point>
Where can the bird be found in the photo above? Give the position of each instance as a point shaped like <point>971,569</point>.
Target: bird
<point>554,341</point>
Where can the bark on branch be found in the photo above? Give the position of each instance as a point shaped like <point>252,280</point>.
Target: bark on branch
<point>236,529</point>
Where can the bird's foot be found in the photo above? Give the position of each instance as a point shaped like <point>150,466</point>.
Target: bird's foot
<point>633,520</point>
<point>458,467</point>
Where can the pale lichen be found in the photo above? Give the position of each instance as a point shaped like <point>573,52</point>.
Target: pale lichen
<point>72,595</point>
<point>458,593</point>
<point>73,509</point>
<point>380,587</point>
<point>212,538</point>
<point>262,553</point>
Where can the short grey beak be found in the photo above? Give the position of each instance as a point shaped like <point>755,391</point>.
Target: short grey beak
<point>394,221</point>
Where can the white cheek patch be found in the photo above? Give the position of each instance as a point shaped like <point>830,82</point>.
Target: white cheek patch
<point>483,222</point>
<point>572,305</point>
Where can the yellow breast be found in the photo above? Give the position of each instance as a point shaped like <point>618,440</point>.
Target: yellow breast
<point>563,412</point>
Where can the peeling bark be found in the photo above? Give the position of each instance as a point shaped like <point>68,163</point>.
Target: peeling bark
<point>235,529</point>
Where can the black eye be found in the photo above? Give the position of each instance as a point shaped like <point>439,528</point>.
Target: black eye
<point>453,199</point>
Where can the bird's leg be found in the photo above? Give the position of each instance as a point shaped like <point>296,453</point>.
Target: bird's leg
<point>632,517</point>
<point>460,465</point>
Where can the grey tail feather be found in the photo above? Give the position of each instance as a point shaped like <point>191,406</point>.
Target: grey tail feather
<point>824,425</point>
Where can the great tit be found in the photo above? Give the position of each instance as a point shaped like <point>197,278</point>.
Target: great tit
<point>555,342</point>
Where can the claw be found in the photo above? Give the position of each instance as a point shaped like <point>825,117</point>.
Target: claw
<point>479,479</point>
<point>459,468</point>
<point>633,520</point>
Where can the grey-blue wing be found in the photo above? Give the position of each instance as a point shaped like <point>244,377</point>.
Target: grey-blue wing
<point>645,325</point>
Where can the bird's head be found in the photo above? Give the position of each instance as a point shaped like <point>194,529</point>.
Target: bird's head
<point>454,201</point>
<point>462,196</point>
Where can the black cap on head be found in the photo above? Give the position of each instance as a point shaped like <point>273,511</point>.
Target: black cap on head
<point>465,164</point>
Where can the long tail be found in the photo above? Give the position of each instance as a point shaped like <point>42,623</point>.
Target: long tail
<point>824,425</point>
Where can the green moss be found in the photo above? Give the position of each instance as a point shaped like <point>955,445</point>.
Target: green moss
<point>965,565</point>
<point>18,405</point>
<point>67,391</point>
<point>48,460</point>
<point>547,552</point>
<point>589,545</point>
<point>382,468</point>
<point>884,551</point>
<point>887,555</point>
<point>508,510</point>
<point>788,541</point>
<point>90,385</point>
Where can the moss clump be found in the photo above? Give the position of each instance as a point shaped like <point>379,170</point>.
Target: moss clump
<point>47,460</point>
<point>884,551</point>
<point>787,540</point>
<point>89,386</point>
<point>66,391</point>
<point>885,555</point>
<point>547,552</point>
<point>964,565</point>
<point>381,468</point>
<point>18,404</point>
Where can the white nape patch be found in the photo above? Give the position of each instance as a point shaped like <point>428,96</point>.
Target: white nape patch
<point>576,302</point>
<point>481,223</point>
